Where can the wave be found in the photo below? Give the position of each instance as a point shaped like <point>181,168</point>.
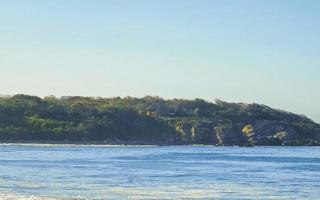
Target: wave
<point>14,196</point>
<point>9,195</point>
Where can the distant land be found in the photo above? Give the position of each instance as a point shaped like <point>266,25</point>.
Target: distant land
<point>150,120</point>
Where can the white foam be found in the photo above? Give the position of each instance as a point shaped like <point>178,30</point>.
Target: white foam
<point>8,195</point>
<point>13,196</point>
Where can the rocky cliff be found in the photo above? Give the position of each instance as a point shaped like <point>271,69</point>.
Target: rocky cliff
<point>151,120</point>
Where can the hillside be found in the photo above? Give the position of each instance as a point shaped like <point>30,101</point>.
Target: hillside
<point>150,120</point>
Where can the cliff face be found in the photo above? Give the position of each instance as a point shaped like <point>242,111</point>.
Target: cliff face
<point>151,120</point>
<point>222,123</point>
<point>260,132</point>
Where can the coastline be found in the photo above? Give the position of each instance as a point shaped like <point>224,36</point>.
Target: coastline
<point>126,143</point>
<point>105,142</point>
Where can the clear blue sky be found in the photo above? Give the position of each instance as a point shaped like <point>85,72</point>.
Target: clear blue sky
<point>264,51</point>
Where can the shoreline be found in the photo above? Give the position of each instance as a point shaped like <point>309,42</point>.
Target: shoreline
<point>105,142</point>
<point>127,143</point>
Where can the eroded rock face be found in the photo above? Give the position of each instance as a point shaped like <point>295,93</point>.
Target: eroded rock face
<point>197,133</point>
<point>260,132</point>
<point>204,134</point>
<point>269,132</point>
<point>228,134</point>
<point>211,134</point>
<point>184,131</point>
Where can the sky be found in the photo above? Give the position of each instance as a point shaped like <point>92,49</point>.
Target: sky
<point>264,51</point>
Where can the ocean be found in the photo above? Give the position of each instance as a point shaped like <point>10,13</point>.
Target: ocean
<point>38,171</point>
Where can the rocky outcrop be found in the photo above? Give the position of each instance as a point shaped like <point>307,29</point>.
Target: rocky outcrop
<point>210,134</point>
<point>229,134</point>
<point>196,133</point>
<point>151,120</point>
<point>204,134</point>
<point>184,132</point>
<point>270,132</point>
<point>260,132</point>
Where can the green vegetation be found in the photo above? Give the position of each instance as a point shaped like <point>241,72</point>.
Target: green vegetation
<point>150,120</point>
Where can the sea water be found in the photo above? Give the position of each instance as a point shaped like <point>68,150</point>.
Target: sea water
<point>151,172</point>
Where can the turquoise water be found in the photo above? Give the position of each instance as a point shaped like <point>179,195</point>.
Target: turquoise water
<point>148,172</point>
